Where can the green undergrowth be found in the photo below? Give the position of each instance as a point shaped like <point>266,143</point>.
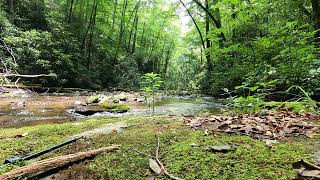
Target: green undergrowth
<point>250,160</point>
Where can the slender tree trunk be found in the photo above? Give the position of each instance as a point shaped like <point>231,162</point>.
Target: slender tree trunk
<point>10,9</point>
<point>135,36</point>
<point>114,15</point>
<point>155,43</point>
<point>167,58</point>
<point>92,33</point>
<point>142,36</point>
<point>195,23</point>
<point>209,63</point>
<point>10,6</point>
<point>216,22</point>
<point>70,11</point>
<point>83,44</point>
<point>136,9</point>
<point>121,33</point>
<point>316,14</point>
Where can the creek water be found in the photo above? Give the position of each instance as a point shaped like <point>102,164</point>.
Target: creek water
<point>48,109</point>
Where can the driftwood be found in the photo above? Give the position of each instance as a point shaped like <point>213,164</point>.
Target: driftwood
<point>56,162</point>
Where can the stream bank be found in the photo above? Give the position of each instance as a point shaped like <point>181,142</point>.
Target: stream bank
<point>185,151</point>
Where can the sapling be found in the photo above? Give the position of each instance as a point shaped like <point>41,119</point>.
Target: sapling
<point>151,84</point>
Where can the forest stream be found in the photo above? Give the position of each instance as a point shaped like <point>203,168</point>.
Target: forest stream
<point>49,109</point>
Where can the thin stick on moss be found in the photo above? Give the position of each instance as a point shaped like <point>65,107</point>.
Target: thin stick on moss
<point>162,166</point>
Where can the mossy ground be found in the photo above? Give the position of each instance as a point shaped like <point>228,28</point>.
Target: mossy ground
<point>251,159</point>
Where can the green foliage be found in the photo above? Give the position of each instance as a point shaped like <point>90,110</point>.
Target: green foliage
<point>110,46</point>
<point>254,99</point>
<point>151,84</point>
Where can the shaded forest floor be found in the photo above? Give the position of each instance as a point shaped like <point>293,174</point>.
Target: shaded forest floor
<point>183,151</point>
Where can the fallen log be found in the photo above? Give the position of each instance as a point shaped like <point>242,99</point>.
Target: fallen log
<point>53,163</point>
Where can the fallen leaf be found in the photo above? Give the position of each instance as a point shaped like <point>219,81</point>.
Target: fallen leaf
<point>309,134</point>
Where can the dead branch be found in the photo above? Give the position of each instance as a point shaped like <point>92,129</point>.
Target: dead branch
<point>162,166</point>
<point>27,76</point>
<point>9,50</point>
<point>308,164</point>
<point>56,162</point>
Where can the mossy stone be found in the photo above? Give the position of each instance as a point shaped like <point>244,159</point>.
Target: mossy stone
<point>93,99</point>
<point>115,108</point>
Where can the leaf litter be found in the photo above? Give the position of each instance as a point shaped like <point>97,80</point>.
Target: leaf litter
<point>273,125</point>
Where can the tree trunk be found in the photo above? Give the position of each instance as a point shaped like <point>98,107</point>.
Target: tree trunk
<point>215,21</point>
<point>195,23</point>
<point>122,29</point>
<point>167,58</point>
<point>92,33</point>
<point>316,14</point>
<point>10,9</point>
<point>70,11</point>
<point>142,36</point>
<point>10,6</point>
<point>209,63</point>
<point>135,36</point>
<point>114,15</point>
<point>81,18</point>
<point>136,9</point>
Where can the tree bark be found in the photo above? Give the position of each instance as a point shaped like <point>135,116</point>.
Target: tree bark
<point>136,9</point>
<point>167,58</point>
<point>10,6</point>
<point>122,29</point>
<point>215,21</point>
<point>70,11</point>
<point>316,14</point>
<point>209,63</point>
<point>135,36</point>
<point>53,163</point>
<point>92,33</point>
<point>142,36</point>
<point>114,15</point>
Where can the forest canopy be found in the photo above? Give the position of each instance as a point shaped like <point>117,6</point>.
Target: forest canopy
<point>211,46</point>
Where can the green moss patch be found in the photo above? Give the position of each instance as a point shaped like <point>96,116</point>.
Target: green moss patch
<point>93,99</point>
<point>252,159</point>
<point>115,108</point>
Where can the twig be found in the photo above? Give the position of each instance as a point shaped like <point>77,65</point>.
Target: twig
<point>161,165</point>
<point>16,83</point>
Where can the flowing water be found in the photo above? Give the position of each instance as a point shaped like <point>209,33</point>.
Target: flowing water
<point>35,110</point>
